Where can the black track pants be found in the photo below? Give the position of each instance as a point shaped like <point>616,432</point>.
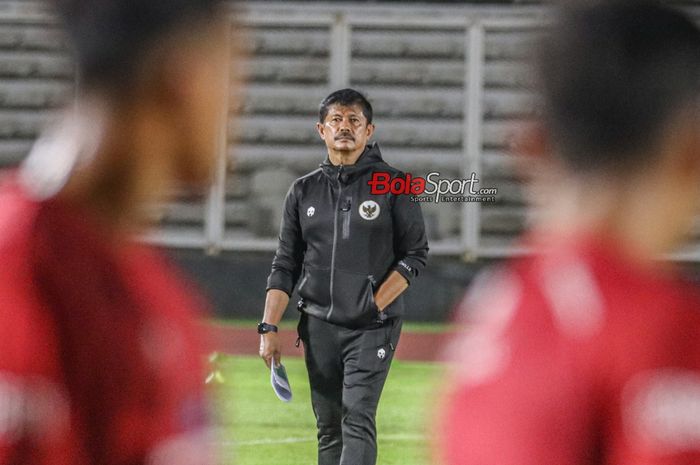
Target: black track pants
<point>347,369</point>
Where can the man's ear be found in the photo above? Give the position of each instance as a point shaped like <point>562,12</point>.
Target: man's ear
<point>370,130</point>
<point>684,141</point>
<point>321,130</point>
<point>532,149</point>
<point>530,140</point>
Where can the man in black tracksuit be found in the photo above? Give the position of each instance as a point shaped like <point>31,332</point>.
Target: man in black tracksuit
<point>352,254</point>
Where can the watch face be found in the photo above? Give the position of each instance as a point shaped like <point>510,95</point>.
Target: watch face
<point>264,328</point>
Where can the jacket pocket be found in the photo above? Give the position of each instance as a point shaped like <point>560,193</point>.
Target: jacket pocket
<point>353,300</point>
<point>314,286</point>
<point>374,355</point>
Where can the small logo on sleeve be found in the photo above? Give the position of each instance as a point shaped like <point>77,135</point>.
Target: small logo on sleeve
<point>310,212</point>
<point>405,266</point>
<point>369,210</point>
<point>381,353</point>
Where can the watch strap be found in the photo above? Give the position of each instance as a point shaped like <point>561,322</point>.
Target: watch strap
<point>264,328</point>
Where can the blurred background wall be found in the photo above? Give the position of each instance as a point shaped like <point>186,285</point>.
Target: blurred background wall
<point>449,82</point>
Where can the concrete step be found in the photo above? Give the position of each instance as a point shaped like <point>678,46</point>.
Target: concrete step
<point>387,101</point>
<point>502,220</point>
<point>32,65</point>
<point>21,94</point>
<point>32,38</point>
<point>430,134</point>
<point>25,124</point>
<point>12,152</point>
<point>376,42</point>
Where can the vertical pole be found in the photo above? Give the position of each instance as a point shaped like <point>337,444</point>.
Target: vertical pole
<point>471,139</point>
<point>215,206</point>
<point>339,71</point>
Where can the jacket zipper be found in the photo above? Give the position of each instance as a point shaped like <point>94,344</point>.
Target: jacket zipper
<point>303,282</point>
<point>335,238</point>
<point>347,206</point>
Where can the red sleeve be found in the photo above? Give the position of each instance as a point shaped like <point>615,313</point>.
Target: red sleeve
<point>517,396</point>
<point>532,386</point>
<point>34,409</point>
<point>99,353</point>
<point>131,363</point>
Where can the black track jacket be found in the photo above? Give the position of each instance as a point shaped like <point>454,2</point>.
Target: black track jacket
<point>343,241</point>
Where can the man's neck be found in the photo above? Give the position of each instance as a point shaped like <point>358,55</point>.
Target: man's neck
<point>633,215</point>
<point>124,175</point>
<point>344,158</point>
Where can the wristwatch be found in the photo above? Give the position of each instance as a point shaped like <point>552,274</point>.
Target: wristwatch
<point>264,328</point>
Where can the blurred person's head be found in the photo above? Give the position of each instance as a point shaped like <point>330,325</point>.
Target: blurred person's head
<point>152,92</point>
<point>345,125</point>
<point>620,83</point>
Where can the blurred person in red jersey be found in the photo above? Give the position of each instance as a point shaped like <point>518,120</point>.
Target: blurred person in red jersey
<point>101,362</point>
<point>586,351</point>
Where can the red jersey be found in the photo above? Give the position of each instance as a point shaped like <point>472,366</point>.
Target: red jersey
<point>577,355</point>
<point>100,357</point>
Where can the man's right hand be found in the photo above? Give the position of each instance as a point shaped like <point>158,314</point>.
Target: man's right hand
<point>275,303</point>
<point>270,347</point>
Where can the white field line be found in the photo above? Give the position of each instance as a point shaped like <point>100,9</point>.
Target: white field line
<point>294,440</point>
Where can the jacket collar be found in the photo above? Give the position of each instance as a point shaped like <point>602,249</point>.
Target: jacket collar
<point>348,173</point>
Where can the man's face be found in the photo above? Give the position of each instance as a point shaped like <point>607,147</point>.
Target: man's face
<point>345,129</point>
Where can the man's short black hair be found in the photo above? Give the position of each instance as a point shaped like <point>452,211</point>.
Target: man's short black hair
<point>109,37</point>
<point>613,75</point>
<point>346,98</point>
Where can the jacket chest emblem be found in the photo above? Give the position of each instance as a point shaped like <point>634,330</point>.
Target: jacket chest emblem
<point>369,210</point>
<point>310,212</point>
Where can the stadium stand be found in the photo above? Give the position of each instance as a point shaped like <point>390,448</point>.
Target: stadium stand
<point>36,77</point>
<point>415,77</point>
<point>415,74</point>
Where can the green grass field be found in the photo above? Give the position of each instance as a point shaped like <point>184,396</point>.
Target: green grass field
<point>258,429</point>
<point>291,323</point>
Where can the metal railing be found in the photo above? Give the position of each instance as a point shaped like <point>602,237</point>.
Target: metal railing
<point>340,23</point>
<point>475,21</point>
<point>340,27</point>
